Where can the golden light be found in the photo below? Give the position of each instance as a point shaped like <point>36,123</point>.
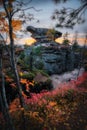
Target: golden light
<point>30,41</point>
<point>80,40</point>
<point>59,40</point>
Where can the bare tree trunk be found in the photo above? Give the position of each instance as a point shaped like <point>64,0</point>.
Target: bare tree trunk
<point>3,100</point>
<point>13,62</point>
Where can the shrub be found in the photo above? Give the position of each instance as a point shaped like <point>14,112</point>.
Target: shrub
<point>10,74</point>
<point>55,110</point>
<point>69,94</point>
<point>22,55</point>
<point>43,72</point>
<point>30,76</point>
<point>39,65</point>
<point>66,42</point>
<point>23,64</point>
<point>85,67</point>
<point>37,50</point>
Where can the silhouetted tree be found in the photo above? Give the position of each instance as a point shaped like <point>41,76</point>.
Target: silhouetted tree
<point>75,44</point>
<point>84,52</point>
<point>68,17</point>
<point>65,39</point>
<point>51,34</point>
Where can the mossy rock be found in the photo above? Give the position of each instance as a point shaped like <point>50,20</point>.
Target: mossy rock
<point>30,76</point>
<point>41,83</point>
<point>43,72</point>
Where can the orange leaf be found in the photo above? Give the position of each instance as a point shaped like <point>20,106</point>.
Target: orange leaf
<point>16,25</point>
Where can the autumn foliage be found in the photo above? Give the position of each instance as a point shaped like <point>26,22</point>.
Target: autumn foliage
<point>64,108</point>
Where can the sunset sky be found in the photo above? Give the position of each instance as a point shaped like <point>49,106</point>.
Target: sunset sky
<point>44,16</point>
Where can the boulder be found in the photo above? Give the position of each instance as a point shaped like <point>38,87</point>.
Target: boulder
<point>40,78</point>
<point>42,82</point>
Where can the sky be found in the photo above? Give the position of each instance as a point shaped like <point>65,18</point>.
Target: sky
<point>46,8</point>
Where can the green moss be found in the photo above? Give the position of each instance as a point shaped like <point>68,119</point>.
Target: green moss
<point>29,76</point>
<point>39,65</point>
<point>37,51</point>
<point>10,74</point>
<point>43,72</point>
<point>22,55</point>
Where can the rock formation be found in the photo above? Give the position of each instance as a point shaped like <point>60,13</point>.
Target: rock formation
<point>43,34</point>
<point>51,56</point>
<point>53,59</point>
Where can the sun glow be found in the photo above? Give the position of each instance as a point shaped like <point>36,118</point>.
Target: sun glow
<point>59,40</point>
<point>30,41</point>
<point>80,40</point>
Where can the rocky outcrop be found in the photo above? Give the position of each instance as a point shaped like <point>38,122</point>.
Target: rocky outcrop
<point>54,59</point>
<point>49,55</point>
<point>43,34</point>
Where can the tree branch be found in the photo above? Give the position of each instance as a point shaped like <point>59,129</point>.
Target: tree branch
<point>32,8</point>
<point>4,5</point>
